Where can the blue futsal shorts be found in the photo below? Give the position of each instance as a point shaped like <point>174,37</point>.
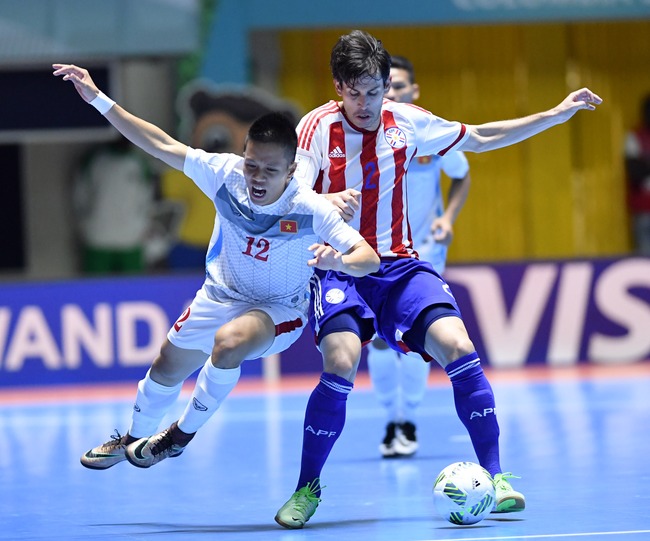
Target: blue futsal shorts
<point>403,295</point>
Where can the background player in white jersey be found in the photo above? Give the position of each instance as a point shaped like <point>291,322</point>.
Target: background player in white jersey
<point>254,299</point>
<point>400,384</point>
<point>363,146</point>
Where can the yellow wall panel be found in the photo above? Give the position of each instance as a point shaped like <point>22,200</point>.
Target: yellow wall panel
<point>547,167</point>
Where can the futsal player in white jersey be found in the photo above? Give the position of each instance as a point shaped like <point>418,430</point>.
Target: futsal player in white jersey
<point>254,299</point>
<point>360,148</point>
<point>400,384</point>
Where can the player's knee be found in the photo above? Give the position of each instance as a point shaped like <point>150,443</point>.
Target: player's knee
<point>341,354</point>
<point>453,347</point>
<point>341,364</point>
<point>460,346</point>
<point>166,372</point>
<point>227,350</point>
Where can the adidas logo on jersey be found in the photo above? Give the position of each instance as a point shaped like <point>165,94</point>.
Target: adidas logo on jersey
<point>337,153</point>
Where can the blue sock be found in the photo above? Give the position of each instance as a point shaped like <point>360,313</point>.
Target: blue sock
<point>475,406</point>
<point>324,421</point>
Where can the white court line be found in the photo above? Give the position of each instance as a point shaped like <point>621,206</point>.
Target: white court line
<point>545,536</point>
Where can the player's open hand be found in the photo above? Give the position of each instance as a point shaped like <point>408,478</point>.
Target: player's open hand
<point>79,77</point>
<point>442,230</point>
<point>325,257</point>
<point>347,202</point>
<point>580,99</point>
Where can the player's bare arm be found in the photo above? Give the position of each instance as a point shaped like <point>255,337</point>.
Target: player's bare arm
<point>141,133</point>
<point>358,261</point>
<point>346,202</point>
<point>493,135</point>
<point>442,227</point>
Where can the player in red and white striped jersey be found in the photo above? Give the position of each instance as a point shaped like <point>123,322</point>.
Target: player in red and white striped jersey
<point>359,150</point>
<point>340,155</point>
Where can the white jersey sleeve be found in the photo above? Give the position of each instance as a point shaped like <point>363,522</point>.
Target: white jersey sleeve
<point>207,170</point>
<point>311,157</point>
<point>454,164</point>
<point>331,228</point>
<point>434,134</point>
<point>307,167</point>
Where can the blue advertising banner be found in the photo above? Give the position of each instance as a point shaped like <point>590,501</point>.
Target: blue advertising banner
<point>95,330</point>
<point>558,313</point>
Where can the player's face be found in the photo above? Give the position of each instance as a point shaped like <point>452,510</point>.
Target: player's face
<point>401,89</point>
<point>362,102</point>
<point>267,171</point>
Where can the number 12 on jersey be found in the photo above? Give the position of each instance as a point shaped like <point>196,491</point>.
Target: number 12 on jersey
<point>257,248</point>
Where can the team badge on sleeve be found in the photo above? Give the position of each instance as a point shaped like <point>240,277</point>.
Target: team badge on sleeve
<point>288,226</point>
<point>395,137</point>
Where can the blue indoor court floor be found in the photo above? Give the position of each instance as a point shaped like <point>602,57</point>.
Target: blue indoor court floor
<point>579,438</point>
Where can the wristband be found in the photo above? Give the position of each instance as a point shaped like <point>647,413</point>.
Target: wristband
<point>102,103</point>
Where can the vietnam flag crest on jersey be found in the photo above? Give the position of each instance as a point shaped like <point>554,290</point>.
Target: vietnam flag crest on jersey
<point>288,226</point>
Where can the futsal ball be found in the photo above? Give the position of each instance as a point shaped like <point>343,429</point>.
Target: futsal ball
<point>464,493</point>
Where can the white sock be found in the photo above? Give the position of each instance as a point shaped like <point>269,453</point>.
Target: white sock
<point>212,386</point>
<point>384,375</point>
<point>152,402</point>
<point>414,376</point>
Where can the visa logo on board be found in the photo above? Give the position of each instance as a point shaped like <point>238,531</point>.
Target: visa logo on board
<point>568,311</point>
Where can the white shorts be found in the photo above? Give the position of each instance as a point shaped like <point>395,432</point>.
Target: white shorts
<point>197,325</point>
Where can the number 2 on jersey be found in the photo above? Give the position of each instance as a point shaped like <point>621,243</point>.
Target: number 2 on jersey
<point>369,170</point>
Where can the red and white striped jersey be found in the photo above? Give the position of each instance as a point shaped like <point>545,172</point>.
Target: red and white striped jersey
<point>333,155</point>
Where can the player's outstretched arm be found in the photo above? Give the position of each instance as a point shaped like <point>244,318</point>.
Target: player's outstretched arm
<point>147,136</point>
<point>493,135</point>
<point>358,261</point>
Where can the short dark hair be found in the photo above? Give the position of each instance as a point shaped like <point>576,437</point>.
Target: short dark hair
<point>403,63</point>
<point>275,128</point>
<point>358,55</point>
